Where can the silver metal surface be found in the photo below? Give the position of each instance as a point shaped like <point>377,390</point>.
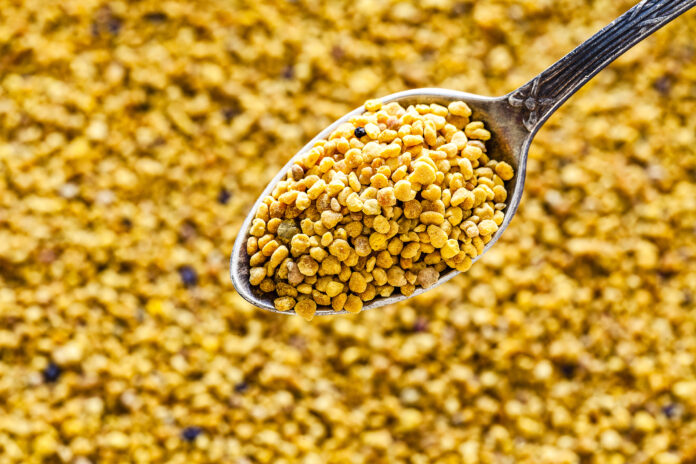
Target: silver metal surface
<point>513,120</point>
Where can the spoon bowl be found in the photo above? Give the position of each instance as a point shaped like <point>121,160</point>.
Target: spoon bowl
<point>509,142</point>
<point>513,120</point>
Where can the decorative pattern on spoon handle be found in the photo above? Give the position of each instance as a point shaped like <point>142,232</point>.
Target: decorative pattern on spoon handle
<point>540,97</point>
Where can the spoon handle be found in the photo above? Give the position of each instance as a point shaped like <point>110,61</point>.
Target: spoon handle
<point>541,96</point>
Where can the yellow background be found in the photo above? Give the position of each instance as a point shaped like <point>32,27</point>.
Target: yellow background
<point>573,340</point>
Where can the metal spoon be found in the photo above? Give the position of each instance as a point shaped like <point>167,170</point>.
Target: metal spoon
<point>513,120</point>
